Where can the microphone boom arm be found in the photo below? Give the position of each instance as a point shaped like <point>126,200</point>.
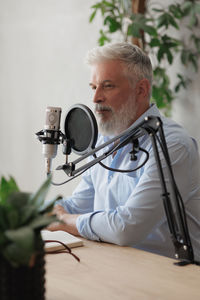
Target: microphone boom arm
<point>175,212</point>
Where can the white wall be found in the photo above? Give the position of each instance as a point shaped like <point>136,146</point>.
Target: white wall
<point>42,47</point>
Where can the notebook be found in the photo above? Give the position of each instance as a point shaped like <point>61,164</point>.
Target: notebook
<point>68,239</point>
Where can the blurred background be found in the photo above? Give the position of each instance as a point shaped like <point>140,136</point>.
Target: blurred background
<point>42,49</point>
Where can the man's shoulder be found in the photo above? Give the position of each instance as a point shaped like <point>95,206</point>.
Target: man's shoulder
<point>175,134</point>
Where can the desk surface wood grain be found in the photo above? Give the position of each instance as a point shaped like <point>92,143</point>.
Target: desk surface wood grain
<point>112,272</point>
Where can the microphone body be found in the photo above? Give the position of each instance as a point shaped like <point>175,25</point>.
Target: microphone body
<point>51,135</point>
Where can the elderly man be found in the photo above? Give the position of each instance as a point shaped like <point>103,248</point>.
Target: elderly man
<point>126,208</point>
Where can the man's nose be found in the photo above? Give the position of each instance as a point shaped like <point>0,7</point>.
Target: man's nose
<point>98,95</point>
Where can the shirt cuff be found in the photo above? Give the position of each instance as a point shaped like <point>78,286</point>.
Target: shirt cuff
<point>83,224</point>
<point>65,205</point>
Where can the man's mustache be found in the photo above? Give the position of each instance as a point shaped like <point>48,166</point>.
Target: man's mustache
<point>100,107</point>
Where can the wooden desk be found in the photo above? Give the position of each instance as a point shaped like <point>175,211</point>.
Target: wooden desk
<point>112,272</point>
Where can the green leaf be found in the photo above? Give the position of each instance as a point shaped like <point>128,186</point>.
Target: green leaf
<point>3,219</point>
<point>18,199</point>
<point>16,255</point>
<point>13,219</point>
<point>134,30</point>
<point>165,20</point>
<point>161,53</point>
<point>184,56</point>
<point>158,10</point>
<point>197,8</point>
<point>112,23</point>
<point>154,43</point>
<point>28,212</point>
<point>180,83</point>
<point>13,185</point>
<point>173,22</point>
<point>169,96</point>
<point>193,21</point>
<point>193,59</point>
<point>42,221</point>
<point>3,241</point>
<point>196,41</point>
<point>150,30</point>
<point>21,248</point>
<point>126,6</point>
<point>162,96</point>
<point>161,91</point>
<point>106,3</point>
<point>48,205</point>
<point>176,10</point>
<point>183,82</point>
<point>6,188</point>
<point>169,56</point>
<point>92,16</point>
<point>23,236</point>
<point>97,5</point>
<point>103,38</point>
<point>38,198</point>
<point>157,94</point>
<point>186,7</point>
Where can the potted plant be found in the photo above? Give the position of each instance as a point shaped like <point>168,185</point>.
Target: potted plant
<point>165,32</point>
<point>22,217</point>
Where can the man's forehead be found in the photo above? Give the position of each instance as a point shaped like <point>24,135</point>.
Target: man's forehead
<point>101,82</point>
<point>105,72</point>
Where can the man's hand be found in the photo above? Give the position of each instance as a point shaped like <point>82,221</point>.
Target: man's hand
<point>59,210</point>
<point>67,221</point>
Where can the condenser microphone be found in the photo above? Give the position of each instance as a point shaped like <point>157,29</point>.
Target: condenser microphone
<point>51,137</point>
<point>80,133</point>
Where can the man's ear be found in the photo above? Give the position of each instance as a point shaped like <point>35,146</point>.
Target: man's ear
<point>142,89</point>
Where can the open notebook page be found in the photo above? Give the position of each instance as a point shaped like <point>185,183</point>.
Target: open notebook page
<point>68,239</point>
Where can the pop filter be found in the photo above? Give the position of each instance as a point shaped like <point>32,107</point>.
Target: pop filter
<point>81,129</point>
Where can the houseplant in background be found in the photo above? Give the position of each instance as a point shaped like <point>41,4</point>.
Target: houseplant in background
<point>22,264</point>
<point>168,33</point>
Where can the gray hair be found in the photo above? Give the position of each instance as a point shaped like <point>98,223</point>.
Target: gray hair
<point>137,62</point>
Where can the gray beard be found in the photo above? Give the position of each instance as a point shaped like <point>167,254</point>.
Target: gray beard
<point>119,120</point>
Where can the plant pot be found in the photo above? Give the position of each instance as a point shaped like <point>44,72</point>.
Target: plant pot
<point>22,282</point>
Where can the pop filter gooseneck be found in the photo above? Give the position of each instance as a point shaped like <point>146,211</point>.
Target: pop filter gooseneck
<point>81,129</point>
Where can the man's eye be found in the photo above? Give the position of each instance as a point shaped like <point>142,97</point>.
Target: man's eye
<point>108,85</point>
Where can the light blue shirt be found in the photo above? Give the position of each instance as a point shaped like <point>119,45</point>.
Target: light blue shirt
<point>127,208</point>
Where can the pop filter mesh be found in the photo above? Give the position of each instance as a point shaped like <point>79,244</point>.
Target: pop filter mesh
<point>81,128</point>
